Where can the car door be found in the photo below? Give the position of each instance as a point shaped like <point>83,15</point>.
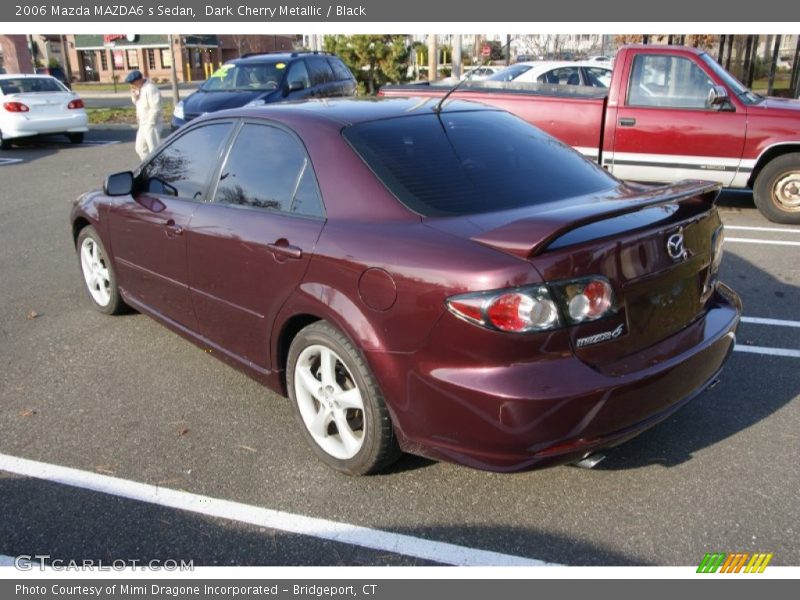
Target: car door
<point>147,230</point>
<point>665,132</point>
<point>249,248</point>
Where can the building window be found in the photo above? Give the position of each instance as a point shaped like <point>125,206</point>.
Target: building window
<point>103,60</point>
<point>166,59</point>
<point>133,59</point>
<point>151,59</point>
<point>119,59</point>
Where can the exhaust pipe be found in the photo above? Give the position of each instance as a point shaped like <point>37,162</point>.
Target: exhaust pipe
<point>591,460</point>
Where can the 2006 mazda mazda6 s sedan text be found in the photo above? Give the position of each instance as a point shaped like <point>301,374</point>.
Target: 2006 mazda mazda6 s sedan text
<point>446,281</point>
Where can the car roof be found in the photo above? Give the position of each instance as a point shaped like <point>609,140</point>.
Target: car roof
<point>276,57</point>
<point>25,76</point>
<point>352,111</point>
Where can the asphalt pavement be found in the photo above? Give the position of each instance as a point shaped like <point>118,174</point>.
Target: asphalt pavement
<point>124,399</point>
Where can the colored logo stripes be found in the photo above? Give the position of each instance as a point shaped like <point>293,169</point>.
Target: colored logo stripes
<point>734,563</point>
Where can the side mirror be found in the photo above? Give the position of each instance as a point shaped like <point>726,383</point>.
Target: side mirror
<point>296,86</point>
<point>717,97</point>
<point>118,184</point>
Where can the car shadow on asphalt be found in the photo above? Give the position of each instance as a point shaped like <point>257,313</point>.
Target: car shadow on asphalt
<point>752,387</point>
<point>28,150</point>
<point>73,524</point>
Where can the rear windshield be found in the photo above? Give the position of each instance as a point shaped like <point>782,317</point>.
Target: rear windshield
<point>472,162</point>
<point>245,77</point>
<point>26,85</point>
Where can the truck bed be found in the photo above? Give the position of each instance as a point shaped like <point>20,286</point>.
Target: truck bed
<point>543,105</point>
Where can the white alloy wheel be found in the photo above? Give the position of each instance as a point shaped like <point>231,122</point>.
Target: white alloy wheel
<point>329,402</point>
<point>95,271</point>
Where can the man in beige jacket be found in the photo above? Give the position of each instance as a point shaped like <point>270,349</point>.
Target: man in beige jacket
<point>147,99</point>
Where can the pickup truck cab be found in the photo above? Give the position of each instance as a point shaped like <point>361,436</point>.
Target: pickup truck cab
<point>669,113</point>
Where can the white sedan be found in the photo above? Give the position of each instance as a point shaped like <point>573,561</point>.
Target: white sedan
<point>39,105</point>
<point>557,73</point>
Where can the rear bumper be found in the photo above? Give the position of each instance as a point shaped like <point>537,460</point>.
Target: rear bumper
<point>543,412</point>
<point>26,127</point>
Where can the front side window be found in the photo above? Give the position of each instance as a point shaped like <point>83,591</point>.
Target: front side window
<point>182,169</point>
<point>668,82</point>
<point>320,71</point>
<point>298,72</point>
<point>267,168</point>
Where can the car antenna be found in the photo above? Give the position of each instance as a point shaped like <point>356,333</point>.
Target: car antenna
<point>438,108</point>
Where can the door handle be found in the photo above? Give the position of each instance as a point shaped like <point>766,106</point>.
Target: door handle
<point>172,228</point>
<point>282,249</point>
<point>627,122</point>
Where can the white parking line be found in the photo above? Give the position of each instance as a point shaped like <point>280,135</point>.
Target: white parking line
<point>776,322</point>
<point>9,161</point>
<point>757,241</point>
<point>100,143</point>
<point>768,351</point>
<point>774,229</point>
<point>344,533</point>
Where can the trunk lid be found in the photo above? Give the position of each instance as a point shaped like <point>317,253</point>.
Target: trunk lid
<point>45,103</point>
<point>632,240</point>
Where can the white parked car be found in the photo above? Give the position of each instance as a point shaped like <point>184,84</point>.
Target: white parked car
<point>557,73</point>
<point>481,73</point>
<point>39,105</point>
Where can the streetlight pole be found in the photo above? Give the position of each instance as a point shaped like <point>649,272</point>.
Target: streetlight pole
<point>173,71</point>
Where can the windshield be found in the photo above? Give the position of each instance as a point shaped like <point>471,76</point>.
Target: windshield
<point>472,162</point>
<point>736,86</point>
<point>27,85</point>
<point>509,73</point>
<point>245,77</point>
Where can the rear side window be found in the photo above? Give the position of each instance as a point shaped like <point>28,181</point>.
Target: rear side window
<point>341,72</point>
<point>268,168</point>
<point>472,162</point>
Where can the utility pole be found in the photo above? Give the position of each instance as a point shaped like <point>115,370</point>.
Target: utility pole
<point>457,56</point>
<point>176,97</point>
<point>508,49</point>
<point>432,57</point>
<point>67,66</point>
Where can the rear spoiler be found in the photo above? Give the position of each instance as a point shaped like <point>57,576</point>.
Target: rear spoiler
<point>531,235</point>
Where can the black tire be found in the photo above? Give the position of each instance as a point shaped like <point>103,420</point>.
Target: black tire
<point>379,446</point>
<point>114,304</point>
<point>4,143</point>
<point>75,138</point>
<point>777,189</point>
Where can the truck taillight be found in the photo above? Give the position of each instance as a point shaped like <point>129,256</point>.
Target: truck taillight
<point>77,103</point>
<point>537,308</point>
<point>15,107</point>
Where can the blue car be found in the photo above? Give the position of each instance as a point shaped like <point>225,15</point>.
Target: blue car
<point>266,78</point>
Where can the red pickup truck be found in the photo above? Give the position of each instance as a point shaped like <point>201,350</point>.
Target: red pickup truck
<point>669,113</point>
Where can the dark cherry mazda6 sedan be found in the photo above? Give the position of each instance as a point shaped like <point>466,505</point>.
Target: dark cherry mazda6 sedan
<point>446,281</point>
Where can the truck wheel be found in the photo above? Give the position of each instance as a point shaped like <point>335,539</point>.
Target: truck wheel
<point>777,189</point>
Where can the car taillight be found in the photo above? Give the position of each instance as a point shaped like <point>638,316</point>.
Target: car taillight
<point>537,308</point>
<point>15,107</point>
<point>77,103</point>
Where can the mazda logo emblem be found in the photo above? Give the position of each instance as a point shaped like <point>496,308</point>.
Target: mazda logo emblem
<point>675,247</point>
